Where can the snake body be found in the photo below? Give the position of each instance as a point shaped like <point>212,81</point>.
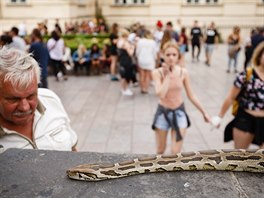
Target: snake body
<point>225,160</point>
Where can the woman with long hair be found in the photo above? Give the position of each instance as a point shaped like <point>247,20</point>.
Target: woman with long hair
<point>146,53</point>
<point>113,51</point>
<point>233,41</point>
<point>125,53</point>
<point>56,49</point>
<point>248,124</point>
<point>170,81</point>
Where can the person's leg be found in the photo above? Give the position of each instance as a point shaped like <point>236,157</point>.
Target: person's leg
<point>147,80</point>
<point>123,84</point>
<point>193,48</point>
<point>199,51</point>
<point>210,53</point>
<point>242,140</point>
<point>76,66</point>
<point>100,67</point>
<point>87,66</point>
<point>96,67</point>
<point>113,67</point>
<point>235,62</point>
<point>161,138</point>
<point>55,67</point>
<point>176,146</point>
<point>63,69</point>
<point>141,79</point>
<point>134,74</point>
<point>206,54</point>
<point>145,86</point>
<point>229,64</point>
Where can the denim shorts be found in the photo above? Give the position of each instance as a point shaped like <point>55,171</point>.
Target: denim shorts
<point>183,49</point>
<point>162,123</point>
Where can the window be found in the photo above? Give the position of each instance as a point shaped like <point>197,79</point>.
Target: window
<point>129,2</point>
<point>192,1</point>
<point>201,2</point>
<point>120,1</point>
<point>211,1</point>
<point>17,1</point>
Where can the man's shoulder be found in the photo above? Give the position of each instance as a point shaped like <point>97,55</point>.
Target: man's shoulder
<point>47,94</point>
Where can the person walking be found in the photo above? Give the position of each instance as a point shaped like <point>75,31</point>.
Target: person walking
<point>113,51</point>
<point>233,41</point>
<point>211,39</point>
<point>167,36</point>
<point>248,124</point>
<point>183,44</point>
<point>248,49</point>
<point>158,34</point>
<point>18,42</point>
<point>56,48</point>
<point>125,53</point>
<point>41,55</point>
<point>196,37</point>
<point>146,54</point>
<point>170,80</point>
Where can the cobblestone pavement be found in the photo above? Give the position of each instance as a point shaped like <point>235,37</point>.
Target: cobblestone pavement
<point>106,121</point>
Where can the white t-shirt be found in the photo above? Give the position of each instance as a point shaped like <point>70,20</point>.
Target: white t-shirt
<point>51,127</point>
<point>56,49</point>
<point>18,43</point>
<point>146,53</point>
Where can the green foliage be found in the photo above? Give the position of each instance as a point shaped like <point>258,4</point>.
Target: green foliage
<point>73,40</point>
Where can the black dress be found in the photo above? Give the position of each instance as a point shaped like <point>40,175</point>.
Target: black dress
<point>126,65</point>
<point>113,48</point>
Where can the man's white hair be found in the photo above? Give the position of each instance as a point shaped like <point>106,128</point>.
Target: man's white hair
<point>18,67</point>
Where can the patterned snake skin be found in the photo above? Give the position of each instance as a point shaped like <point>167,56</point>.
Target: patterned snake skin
<point>225,160</point>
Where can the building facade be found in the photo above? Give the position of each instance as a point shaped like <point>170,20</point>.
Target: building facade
<point>225,13</point>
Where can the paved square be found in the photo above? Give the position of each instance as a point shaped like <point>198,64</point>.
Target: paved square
<point>106,121</point>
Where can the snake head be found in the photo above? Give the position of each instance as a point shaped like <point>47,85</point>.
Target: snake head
<point>84,172</point>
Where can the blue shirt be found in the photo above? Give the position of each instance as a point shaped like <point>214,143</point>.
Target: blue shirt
<point>41,55</point>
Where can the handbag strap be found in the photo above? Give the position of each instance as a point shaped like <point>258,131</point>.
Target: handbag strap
<point>249,72</point>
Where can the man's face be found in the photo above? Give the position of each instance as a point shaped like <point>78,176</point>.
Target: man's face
<point>17,105</point>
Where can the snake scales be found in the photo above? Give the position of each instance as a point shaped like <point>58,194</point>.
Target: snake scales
<point>225,160</point>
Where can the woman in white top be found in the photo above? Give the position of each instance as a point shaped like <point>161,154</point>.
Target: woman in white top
<point>146,53</point>
<point>56,50</point>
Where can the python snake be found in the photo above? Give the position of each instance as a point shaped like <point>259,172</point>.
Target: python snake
<point>225,160</point>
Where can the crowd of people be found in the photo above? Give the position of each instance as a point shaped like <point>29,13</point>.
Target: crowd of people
<point>76,27</point>
<point>134,55</point>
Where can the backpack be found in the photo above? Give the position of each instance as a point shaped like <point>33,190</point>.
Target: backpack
<point>235,106</point>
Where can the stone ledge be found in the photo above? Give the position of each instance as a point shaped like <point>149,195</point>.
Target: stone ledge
<point>38,173</point>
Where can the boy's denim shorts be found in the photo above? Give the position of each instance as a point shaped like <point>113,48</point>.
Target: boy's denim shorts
<point>162,123</point>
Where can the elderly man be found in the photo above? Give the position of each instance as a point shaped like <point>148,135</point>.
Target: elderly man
<point>30,118</point>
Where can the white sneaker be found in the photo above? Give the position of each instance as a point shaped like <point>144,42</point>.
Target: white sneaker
<point>127,92</point>
<point>59,75</point>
